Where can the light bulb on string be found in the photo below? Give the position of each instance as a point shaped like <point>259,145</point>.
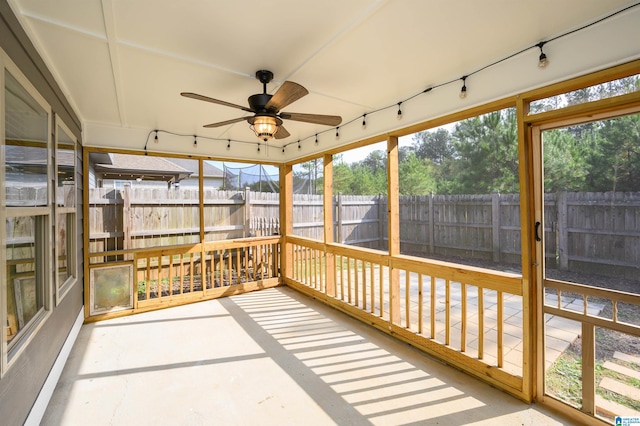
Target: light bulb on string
<point>283,148</point>
<point>258,147</point>
<point>228,144</point>
<point>399,115</point>
<point>195,141</point>
<point>463,91</point>
<point>543,61</point>
<point>364,121</point>
<point>338,133</point>
<point>316,139</point>
<point>155,139</point>
<point>299,146</point>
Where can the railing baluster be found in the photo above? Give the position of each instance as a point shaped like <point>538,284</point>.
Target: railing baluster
<point>364,285</point>
<point>372,287</point>
<point>480,323</point>
<point>433,307</point>
<point>500,328</point>
<point>407,302</point>
<point>463,330</point>
<point>420,301</point>
<point>447,312</point>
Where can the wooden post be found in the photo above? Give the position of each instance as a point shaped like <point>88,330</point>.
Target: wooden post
<point>330,267</point>
<point>339,214</point>
<point>563,232</point>
<point>588,368</point>
<point>203,259</point>
<point>126,219</point>
<point>247,212</point>
<point>381,215</point>
<point>495,222</point>
<point>393,220</point>
<point>532,348</point>
<point>432,227</point>
<point>286,225</point>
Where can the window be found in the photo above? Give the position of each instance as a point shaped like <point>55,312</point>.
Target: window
<point>459,192</point>
<point>360,196</point>
<point>26,194</point>
<point>308,205</point>
<point>65,227</point>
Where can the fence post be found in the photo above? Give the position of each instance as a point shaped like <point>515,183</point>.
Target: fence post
<point>495,222</point>
<point>563,232</point>
<point>126,218</point>
<point>247,212</point>
<point>432,227</point>
<point>339,218</point>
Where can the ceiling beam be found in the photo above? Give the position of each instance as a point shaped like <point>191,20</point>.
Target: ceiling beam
<point>110,31</point>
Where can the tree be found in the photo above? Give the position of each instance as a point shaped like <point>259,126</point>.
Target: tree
<point>415,176</point>
<point>615,159</point>
<point>435,145</point>
<point>565,162</point>
<point>486,154</point>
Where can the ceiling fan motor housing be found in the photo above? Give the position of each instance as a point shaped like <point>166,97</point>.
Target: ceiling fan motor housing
<point>258,101</point>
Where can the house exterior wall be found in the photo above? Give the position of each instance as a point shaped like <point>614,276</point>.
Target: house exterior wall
<point>22,379</point>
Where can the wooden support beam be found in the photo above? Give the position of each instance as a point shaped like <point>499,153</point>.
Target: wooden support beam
<point>393,219</point>
<point>286,224</point>
<point>330,284</point>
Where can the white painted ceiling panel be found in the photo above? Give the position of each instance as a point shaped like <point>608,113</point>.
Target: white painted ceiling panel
<point>123,63</point>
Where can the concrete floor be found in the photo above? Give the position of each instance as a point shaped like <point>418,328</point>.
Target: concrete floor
<point>274,357</point>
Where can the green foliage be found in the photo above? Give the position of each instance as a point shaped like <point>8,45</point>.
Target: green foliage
<point>480,155</point>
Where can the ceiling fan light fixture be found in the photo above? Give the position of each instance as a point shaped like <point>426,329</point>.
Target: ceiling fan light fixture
<point>265,126</point>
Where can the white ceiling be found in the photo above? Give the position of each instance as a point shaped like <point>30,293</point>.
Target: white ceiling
<point>123,63</point>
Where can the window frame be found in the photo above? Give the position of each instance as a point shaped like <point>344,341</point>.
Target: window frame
<point>10,352</point>
<point>71,217</point>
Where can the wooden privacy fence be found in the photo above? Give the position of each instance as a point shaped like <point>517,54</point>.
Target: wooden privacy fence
<point>589,231</point>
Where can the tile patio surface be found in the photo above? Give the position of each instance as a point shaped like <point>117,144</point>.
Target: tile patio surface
<point>273,357</point>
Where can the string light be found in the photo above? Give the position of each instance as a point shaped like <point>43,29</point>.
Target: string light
<point>364,121</point>
<point>195,141</point>
<point>542,60</point>
<point>463,91</point>
<point>299,146</point>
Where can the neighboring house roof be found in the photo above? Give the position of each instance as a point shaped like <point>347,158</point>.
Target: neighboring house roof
<point>125,166</point>
<point>209,170</point>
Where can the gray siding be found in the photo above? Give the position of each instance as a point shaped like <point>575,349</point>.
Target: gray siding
<point>21,384</point>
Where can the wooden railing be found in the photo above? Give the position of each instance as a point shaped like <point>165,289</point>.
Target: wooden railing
<point>470,317</point>
<point>614,314</point>
<point>168,276</point>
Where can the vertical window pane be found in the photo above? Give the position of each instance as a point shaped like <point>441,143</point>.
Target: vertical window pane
<point>360,196</point>
<point>308,207</point>
<point>66,173</point>
<point>25,263</point>
<point>26,124</point>
<point>459,192</point>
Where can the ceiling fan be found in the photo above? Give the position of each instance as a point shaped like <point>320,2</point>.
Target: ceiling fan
<point>266,120</point>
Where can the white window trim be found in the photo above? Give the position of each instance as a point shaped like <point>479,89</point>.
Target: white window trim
<point>61,289</point>
<point>6,64</point>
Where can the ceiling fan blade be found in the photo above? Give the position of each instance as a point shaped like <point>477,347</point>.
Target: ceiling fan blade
<point>213,101</point>
<point>288,93</point>
<point>224,123</point>
<point>327,120</point>
<point>281,133</point>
